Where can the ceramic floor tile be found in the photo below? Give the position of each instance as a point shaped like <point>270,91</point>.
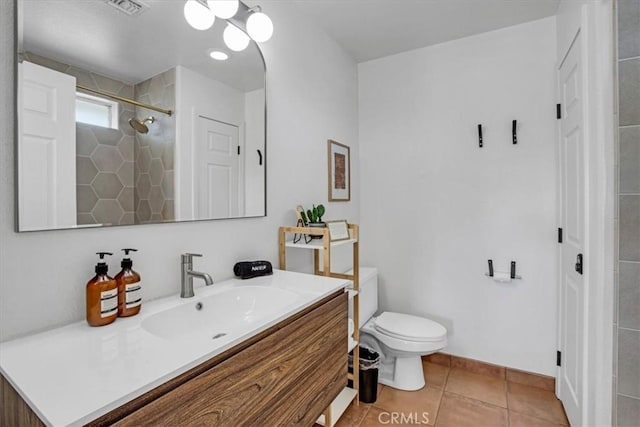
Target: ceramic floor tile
<point>435,375</point>
<point>377,417</point>
<point>421,403</point>
<point>458,411</point>
<point>521,420</point>
<point>354,415</point>
<point>533,380</point>
<point>475,386</point>
<point>535,402</point>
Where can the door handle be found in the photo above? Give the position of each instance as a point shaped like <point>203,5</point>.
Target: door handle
<point>579,264</point>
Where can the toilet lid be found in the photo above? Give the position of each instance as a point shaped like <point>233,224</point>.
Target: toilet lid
<point>411,328</point>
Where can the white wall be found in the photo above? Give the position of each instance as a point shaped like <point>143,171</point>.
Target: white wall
<point>253,171</point>
<point>435,207</point>
<point>311,98</point>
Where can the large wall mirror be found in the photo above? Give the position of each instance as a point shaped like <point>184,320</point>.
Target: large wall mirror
<point>126,118</point>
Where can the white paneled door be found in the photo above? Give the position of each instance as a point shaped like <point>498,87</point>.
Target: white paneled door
<point>217,169</point>
<point>46,148</point>
<point>571,384</point>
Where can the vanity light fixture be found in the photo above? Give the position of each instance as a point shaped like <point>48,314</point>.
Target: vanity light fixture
<point>235,38</point>
<point>259,25</point>
<point>198,14</point>
<point>201,14</point>
<point>224,9</point>
<point>219,55</point>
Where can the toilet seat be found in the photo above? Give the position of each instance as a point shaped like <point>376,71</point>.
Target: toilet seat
<point>409,328</point>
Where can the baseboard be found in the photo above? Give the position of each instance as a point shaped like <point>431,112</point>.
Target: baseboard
<point>509,374</point>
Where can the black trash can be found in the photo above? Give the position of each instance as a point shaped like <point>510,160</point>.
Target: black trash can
<point>368,374</point>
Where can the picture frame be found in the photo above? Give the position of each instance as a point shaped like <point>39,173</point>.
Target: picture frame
<point>338,230</point>
<point>339,162</point>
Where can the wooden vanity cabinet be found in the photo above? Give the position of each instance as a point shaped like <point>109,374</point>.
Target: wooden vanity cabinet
<point>286,375</point>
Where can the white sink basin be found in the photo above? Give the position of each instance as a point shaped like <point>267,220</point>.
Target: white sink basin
<point>218,315</point>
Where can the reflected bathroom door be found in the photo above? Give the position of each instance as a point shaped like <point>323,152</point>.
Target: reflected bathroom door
<point>573,313</point>
<point>217,160</point>
<point>46,148</point>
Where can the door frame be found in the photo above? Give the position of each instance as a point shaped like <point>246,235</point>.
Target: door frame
<point>594,20</point>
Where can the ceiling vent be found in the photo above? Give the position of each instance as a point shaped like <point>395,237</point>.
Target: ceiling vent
<point>130,7</point>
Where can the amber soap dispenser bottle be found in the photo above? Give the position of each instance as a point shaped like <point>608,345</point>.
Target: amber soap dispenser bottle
<point>129,287</point>
<point>102,295</point>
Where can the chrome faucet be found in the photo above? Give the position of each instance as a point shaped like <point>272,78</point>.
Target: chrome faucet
<point>186,283</point>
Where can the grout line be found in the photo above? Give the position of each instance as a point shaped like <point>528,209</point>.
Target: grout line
<point>628,126</point>
<point>628,397</point>
<point>628,329</point>
<point>629,262</point>
<point>628,59</point>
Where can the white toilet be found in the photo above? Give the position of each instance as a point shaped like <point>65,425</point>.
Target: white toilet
<point>400,339</point>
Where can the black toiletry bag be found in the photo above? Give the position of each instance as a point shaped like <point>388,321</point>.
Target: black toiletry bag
<point>249,269</point>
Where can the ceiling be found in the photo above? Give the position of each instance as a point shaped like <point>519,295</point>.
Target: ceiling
<point>370,29</point>
<point>91,35</point>
<point>98,38</point>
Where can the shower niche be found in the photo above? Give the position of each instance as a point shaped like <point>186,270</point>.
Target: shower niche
<point>126,120</point>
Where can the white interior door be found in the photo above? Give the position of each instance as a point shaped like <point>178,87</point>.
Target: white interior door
<point>46,148</point>
<point>571,384</point>
<point>217,166</point>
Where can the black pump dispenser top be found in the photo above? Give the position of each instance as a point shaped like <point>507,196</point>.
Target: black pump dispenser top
<point>101,266</point>
<point>126,261</point>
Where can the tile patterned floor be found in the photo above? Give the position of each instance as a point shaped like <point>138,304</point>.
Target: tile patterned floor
<point>461,393</point>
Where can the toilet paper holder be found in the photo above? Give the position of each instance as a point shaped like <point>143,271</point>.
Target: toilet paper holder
<point>512,272</point>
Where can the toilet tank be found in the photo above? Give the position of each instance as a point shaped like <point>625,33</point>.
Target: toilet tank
<point>368,294</point>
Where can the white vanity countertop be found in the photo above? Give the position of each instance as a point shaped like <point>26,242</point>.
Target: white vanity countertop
<point>77,373</point>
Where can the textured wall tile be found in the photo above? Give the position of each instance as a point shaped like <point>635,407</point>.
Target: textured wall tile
<point>86,141</point>
<point>86,171</point>
<point>107,186</point>
<point>628,411</point>
<point>85,218</point>
<point>156,199</point>
<point>629,362</point>
<point>630,159</point>
<point>125,173</point>
<point>143,186</point>
<point>108,212</point>
<point>107,135</point>
<point>629,211</point>
<point>85,198</point>
<point>144,211</point>
<point>629,92</point>
<point>125,198</point>
<point>107,158</point>
<point>628,24</point>
<point>629,297</point>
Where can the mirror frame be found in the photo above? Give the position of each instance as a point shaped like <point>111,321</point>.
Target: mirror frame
<point>242,10</point>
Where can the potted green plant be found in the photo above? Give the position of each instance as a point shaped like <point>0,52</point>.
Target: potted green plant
<point>313,218</point>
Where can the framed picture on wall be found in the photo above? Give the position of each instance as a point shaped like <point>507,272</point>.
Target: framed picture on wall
<point>339,172</point>
<point>338,230</point>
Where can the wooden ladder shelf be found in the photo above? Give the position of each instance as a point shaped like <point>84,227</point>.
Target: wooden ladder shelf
<point>324,245</point>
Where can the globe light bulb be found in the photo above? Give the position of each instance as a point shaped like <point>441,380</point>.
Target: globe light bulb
<point>235,38</point>
<point>259,27</point>
<point>198,16</point>
<point>224,9</point>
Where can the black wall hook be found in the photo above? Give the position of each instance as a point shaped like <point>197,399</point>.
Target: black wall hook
<point>514,126</point>
<point>513,269</point>
<point>480,135</point>
<point>490,268</point>
<point>259,157</point>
